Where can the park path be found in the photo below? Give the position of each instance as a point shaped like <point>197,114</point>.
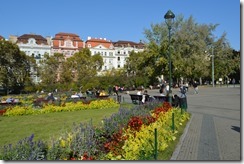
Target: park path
<point>213,132</point>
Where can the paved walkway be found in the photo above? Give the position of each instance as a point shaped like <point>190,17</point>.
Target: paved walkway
<point>213,132</point>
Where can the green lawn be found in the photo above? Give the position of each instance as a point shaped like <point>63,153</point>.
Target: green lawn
<point>46,126</point>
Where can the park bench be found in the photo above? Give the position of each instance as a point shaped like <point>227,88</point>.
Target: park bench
<point>5,105</point>
<point>75,98</point>
<point>137,99</point>
<point>102,97</point>
<point>10,103</point>
<point>40,101</point>
<point>161,98</point>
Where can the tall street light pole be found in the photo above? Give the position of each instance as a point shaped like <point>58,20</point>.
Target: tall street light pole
<point>212,67</point>
<point>169,18</point>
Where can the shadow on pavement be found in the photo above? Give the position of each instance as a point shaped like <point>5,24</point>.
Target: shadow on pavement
<point>236,128</point>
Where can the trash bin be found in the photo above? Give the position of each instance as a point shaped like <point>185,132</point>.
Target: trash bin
<point>119,98</point>
<point>183,103</point>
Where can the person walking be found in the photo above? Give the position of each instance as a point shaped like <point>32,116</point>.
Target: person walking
<point>195,86</point>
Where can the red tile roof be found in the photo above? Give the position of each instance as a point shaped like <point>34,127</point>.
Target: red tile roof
<point>39,39</point>
<point>98,41</point>
<point>1,37</point>
<point>63,36</point>
<point>123,43</point>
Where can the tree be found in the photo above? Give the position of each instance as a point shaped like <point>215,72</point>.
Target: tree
<point>189,44</point>
<point>225,59</point>
<point>83,67</point>
<point>51,69</point>
<point>14,66</point>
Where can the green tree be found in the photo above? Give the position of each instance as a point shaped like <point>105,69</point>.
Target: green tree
<point>189,43</point>
<point>226,62</point>
<point>51,69</point>
<point>14,66</point>
<point>83,67</point>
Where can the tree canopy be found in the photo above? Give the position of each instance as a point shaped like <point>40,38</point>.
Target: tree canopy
<point>191,48</point>
<point>14,66</point>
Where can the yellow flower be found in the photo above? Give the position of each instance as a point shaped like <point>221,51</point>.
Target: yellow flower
<point>62,143</point>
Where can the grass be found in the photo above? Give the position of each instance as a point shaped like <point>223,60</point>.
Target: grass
<point>46,126</point>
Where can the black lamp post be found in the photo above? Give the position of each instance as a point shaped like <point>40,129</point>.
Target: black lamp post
<point>169,18</point>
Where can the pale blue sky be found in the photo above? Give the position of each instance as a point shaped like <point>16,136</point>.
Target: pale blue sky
<point>114,19</point>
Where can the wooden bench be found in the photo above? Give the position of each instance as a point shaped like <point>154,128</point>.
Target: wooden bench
<point>137,99</point>
<point>162,98</point>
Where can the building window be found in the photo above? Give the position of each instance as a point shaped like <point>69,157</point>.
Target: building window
<point>89,45</point>
<point>110,53</point>
<point>118,58</point>
<point>118,52</point>
<point>105,53</point>
<point>68,43</point>
<point>118,66</point>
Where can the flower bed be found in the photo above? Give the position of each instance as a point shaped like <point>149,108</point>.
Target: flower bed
<point>69,106</point>
<point>126,135</point>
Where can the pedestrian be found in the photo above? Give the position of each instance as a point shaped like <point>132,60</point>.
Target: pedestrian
<point>233,81</point>
<point>115,89</point>
<point>183,91</point>
<point>195,86</point>
<point>50,97</point>
<point>175,101</point>
<point>187,86</point>
<point>144,97</point>
<point>167,89</point>
<point>138,92</point>
<point>110,90</point>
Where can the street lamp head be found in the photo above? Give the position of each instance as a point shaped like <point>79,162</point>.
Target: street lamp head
<point>169,17</point>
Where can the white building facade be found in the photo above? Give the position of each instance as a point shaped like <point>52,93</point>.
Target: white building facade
<point>114,54</point>
<point>123,49</point>
<point>35,46</point>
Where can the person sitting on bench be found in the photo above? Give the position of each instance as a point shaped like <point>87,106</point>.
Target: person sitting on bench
<point>144,97</point>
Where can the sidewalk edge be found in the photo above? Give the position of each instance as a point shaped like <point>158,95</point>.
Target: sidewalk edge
<point>178,147</point>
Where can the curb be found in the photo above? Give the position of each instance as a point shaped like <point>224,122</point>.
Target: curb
<point>182,138</point>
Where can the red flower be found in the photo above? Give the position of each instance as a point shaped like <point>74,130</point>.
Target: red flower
<point>135,123</point>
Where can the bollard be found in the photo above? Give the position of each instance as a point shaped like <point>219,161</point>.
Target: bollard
<point>173,122</point>
<point>155,144</point>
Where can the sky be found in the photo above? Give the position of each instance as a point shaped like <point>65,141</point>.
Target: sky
<point>114,19</point>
